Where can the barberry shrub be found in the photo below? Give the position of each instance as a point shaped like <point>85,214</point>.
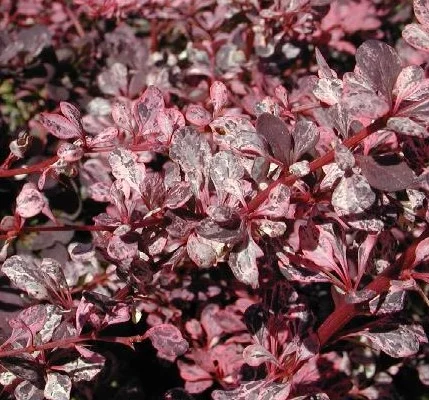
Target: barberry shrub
<point>207,189</point>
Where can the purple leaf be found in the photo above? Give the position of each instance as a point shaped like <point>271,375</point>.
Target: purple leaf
<point>277,135</point>
<point>353,195</point>
<point>59,126</point>
<point>255,355</point>
<point>389,178</point>
<point>168,340</point>
<point>380,65</point>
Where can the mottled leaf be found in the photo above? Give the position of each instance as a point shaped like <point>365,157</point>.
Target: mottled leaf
<point>146,109</point>
<point>218,96</point>
<point>200,251</point>
<point>59,126</point>
<point>353,195</point>
<point>242,261</point>
<point>114,80</point>
<point>58,386</point>
<point>397,342</point>
<point>416,36</point>
<point>30,201</point>
<point>168,340</point>
<point>406,126</point>
<point>255,355</point>
<point>198,115</point>
<point>24,275</point>
<point>72,114</point>
<point>124,166</point>
<point>305,137</point>
<point>277,203</point>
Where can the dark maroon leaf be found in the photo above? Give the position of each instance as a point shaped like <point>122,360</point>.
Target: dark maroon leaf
<point>389,178</point>
<point>277,135</point>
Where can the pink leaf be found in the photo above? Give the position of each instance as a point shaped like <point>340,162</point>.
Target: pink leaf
<point>200,252</point>
<point>72,114</point>
<point>416,36</point>
<point>277,203</point>
<point>218,96</point>
<point>198,115</point>
<point>353,195</point>
<point>243,264</point>
<point>122,116</point>
<point>59,126</point>
<point>255,355</point>
<point>168,340</point>
<point>107,135</point>
<point>30,201</point>
<point>421,10</point>
<point>124,166</point>
<point>146,109</point>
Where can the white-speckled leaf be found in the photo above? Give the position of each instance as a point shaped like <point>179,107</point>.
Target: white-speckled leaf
<point>24,275</point>
<point>255,355</point>
<point>353,195</point>
<point>59,126</point>
<point>30,201</point>
<point>58,386</point>
<point>226,172</point>
<point>218,96</point>
<point>416,36</point>
<point>243,262</point>
<point>124,166</point>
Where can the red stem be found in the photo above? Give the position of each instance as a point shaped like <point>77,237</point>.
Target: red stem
<point>7,173</point>
<point>327,158</point>
<point>346,312</point>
